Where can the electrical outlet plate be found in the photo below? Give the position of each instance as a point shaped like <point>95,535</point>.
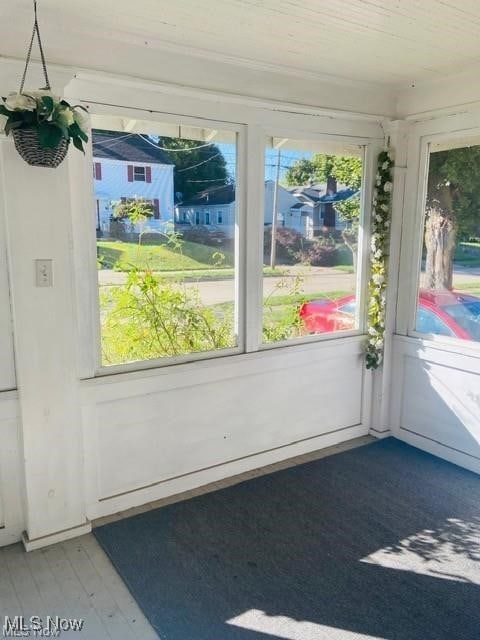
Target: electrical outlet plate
<point>44,272</point>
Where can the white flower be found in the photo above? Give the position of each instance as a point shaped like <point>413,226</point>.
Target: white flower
<point>40,93</point>
<point>66,117</point>
<point>378,278</point>
<point>372,331</point>
<point>82,119</point>
<point>387,223</point>
<point>375,193</point>
<point>387,187</point>
<point>384,207</point>
<point>378,253</point>
<point>378,218</point>
<point>385,165</point>
<point>3,122</point>
<point>20,102</point>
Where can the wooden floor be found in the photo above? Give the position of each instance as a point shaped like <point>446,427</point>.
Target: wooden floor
<point>75,579</point>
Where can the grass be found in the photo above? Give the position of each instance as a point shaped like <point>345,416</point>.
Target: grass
<point>472,288</point>
<point>194,262</point>
<point>161,257</point>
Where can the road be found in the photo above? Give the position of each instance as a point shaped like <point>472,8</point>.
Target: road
<point>313,280</point>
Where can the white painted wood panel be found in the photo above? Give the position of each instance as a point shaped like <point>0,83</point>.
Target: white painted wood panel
<point>436,405</point>
<point>392,43</point>
<point>143,431</point>
<point>11,479</point>
<point>7,364</point>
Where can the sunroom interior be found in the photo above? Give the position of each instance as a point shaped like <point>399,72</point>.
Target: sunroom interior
<point>179,380</point>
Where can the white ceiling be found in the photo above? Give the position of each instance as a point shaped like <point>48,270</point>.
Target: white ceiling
<point>396,43</point>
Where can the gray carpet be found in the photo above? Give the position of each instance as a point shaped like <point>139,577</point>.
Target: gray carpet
<point>381,541</point>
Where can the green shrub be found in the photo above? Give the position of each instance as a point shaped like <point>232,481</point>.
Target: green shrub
<point>149,317</point>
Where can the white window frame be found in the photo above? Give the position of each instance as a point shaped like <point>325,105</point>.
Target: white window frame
<point>451,132</point>
<point>371,150</point>
<point>252,126</point>
<point>144,168</point>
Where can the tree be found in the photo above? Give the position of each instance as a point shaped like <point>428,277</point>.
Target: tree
<point>452,210</point>
<point>197,166</point>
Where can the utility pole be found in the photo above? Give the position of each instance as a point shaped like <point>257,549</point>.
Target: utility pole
<point>273,252</point>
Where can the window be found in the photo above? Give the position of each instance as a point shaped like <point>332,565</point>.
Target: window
<point>428,322</point>
<point>165,293</point>
<point>448,300</point>
<point>220,217</point>
<point>310,259</point>
<point>139,174</point>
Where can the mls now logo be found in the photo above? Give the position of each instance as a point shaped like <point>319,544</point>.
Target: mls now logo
<point>36,627</point>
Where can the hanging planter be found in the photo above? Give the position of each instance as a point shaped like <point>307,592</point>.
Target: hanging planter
<point>41,123</point>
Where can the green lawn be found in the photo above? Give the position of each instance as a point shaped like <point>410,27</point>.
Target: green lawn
<point>472,288</point>
<point>163,257</point>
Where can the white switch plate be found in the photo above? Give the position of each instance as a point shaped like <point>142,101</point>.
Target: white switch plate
<point>44,273</point>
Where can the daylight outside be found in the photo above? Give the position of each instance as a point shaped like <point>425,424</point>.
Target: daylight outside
<point>165,215</point>
<point>448,301</point>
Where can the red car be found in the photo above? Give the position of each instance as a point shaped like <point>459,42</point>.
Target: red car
<point>446,313</point>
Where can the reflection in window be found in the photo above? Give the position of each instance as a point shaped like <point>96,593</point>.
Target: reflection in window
<point>311,222</point>
<point>450,268</point>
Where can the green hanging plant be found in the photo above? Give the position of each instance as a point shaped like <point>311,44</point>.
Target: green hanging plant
<point>50,116</point>
<point>378,261</point>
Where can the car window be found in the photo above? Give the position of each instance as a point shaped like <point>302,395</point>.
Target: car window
<point>467,315</point>
<point>428,322</point>
<point>348,308</point>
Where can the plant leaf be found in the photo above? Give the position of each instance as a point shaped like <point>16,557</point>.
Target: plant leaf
<point>48,135</point>
<point>77,143</point>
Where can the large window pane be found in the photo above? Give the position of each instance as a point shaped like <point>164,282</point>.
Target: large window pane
<point>312,212</point>
<point>449,292</point>
<point>165,217</point>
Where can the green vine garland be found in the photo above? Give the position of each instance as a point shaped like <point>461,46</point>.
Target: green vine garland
<point>378,261</point>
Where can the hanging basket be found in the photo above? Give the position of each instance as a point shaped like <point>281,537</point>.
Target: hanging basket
<point>28,146</point>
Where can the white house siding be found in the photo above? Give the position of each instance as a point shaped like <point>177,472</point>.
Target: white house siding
<point>220,217</point>
<point>114,185</point>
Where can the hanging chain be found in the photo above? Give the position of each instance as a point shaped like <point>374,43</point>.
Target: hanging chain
<point>35,32</point>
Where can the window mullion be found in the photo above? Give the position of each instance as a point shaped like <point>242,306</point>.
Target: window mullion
<point>254,208</point>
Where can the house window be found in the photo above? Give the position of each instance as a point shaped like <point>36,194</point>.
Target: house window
<point>151,314</point>
<point>448,300</point>
<point>315,268</point>
<point>139,174</point>
<point>220,217</point>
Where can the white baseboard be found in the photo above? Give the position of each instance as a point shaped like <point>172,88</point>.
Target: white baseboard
<point>194,480</point>
<point>438,449</point>
<point>53,538</point>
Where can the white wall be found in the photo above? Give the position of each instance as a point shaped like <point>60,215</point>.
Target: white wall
<point>435,383</point>
<point>92,445</point>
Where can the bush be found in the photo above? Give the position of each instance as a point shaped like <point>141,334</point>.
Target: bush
<point>289,244</point>
<point>203,235</point>
<point>152,318</point>
<point>318,254</point>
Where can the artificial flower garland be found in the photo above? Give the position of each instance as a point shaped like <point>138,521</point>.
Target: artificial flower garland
<point>378,261</point>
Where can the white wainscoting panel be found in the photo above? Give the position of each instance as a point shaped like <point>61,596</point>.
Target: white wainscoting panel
<point>151,431</point>
<point>11,496</point>
<point>436,400</point>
